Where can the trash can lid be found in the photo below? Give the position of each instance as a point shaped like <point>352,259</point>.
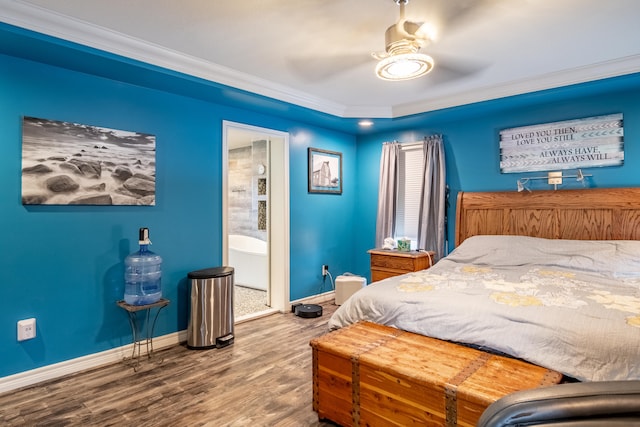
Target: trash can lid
<point>210,273</point>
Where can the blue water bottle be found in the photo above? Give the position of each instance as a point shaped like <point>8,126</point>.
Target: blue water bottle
<point>142,274</point>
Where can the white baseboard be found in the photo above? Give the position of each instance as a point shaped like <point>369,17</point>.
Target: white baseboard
<point>316,299</point>
<point>72,366</point>
<point>57,370</point>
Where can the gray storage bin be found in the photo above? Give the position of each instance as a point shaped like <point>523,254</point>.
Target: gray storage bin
<point>211,315</point>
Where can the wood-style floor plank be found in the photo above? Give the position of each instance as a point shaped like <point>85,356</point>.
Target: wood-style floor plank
<point>262,379</point>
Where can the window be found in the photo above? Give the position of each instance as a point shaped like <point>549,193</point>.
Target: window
<point>409,188</point>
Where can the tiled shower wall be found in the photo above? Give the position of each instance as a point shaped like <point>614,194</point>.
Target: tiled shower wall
<point>248,194</point>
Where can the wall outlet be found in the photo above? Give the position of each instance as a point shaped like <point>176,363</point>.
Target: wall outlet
<point>26,329</point>
<point>325,269</point>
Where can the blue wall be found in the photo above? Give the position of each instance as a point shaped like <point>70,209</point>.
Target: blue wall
<point>64,265</point>
<point>321,224</point>
<point>471,136</point>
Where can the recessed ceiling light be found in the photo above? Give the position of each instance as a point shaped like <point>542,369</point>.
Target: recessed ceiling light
<point>365,123</point>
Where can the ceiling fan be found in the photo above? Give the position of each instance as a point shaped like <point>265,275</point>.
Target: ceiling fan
<point>403,42</point>
<point>401,59</point>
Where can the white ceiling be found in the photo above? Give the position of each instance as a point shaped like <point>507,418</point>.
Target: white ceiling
<point>316,53</point>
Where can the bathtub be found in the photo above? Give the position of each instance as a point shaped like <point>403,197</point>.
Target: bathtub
<point>248,256</point>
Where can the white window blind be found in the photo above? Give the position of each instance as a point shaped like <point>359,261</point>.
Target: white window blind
<point>409,188</point>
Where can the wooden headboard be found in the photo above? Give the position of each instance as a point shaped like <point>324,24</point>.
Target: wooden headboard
<point>587,214</point>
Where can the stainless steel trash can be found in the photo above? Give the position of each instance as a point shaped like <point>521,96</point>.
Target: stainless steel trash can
<point>211,316</point>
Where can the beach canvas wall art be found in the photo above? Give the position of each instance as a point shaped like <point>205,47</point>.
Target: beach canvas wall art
<point>66,163</point>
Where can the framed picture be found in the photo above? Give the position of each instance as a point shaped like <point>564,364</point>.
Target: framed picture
<point>66,163</point>
<point>325,171</point>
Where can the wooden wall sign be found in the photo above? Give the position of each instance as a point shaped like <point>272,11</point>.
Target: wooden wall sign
<point>589,142</point>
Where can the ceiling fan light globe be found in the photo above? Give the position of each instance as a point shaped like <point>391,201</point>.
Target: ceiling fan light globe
<point>404,66</point>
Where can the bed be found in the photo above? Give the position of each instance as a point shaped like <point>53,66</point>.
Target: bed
<point>550,277</point>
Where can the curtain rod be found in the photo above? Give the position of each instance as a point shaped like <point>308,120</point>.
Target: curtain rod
<point>404,144</point>
<point>411,144</point>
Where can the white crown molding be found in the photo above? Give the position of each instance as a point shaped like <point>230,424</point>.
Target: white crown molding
<point>369,112</point>
<point>37,19</point>
<point>614,68</point>
<point>18,13</point>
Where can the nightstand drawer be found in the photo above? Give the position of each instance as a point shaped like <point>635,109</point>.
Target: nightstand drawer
<point>389,263</point>
<point>377,275</point>
<point>394,262</point>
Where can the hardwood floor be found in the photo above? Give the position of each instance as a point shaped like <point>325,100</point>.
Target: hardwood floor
<point>262,379</point>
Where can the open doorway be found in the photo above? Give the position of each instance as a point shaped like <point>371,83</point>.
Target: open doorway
<point>255,218</point>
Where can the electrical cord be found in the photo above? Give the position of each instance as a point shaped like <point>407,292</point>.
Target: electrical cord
<point>428,254</point>
<point>323,280</point>
<point>331,278</point>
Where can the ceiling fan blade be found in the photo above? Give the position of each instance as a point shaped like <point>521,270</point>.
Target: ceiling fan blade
<point>448,68</point>
<point>459,13</point>
<point>317,68</point>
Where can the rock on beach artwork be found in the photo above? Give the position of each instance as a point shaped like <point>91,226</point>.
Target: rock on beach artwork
<point>67,163</point>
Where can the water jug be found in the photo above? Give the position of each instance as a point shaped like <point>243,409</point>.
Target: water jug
<point>142,274</point>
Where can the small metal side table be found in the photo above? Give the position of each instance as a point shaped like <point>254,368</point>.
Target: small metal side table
<point>132,311</point>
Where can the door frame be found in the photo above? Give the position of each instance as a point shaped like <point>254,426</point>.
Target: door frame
<point>278,208</point>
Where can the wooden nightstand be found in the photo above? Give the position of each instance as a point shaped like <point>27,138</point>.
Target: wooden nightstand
<point>390,262</point>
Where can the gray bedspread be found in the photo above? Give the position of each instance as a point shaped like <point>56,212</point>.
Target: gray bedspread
<point>571,306</point>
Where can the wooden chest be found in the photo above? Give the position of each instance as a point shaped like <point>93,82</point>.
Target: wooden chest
<point>372,375</point>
